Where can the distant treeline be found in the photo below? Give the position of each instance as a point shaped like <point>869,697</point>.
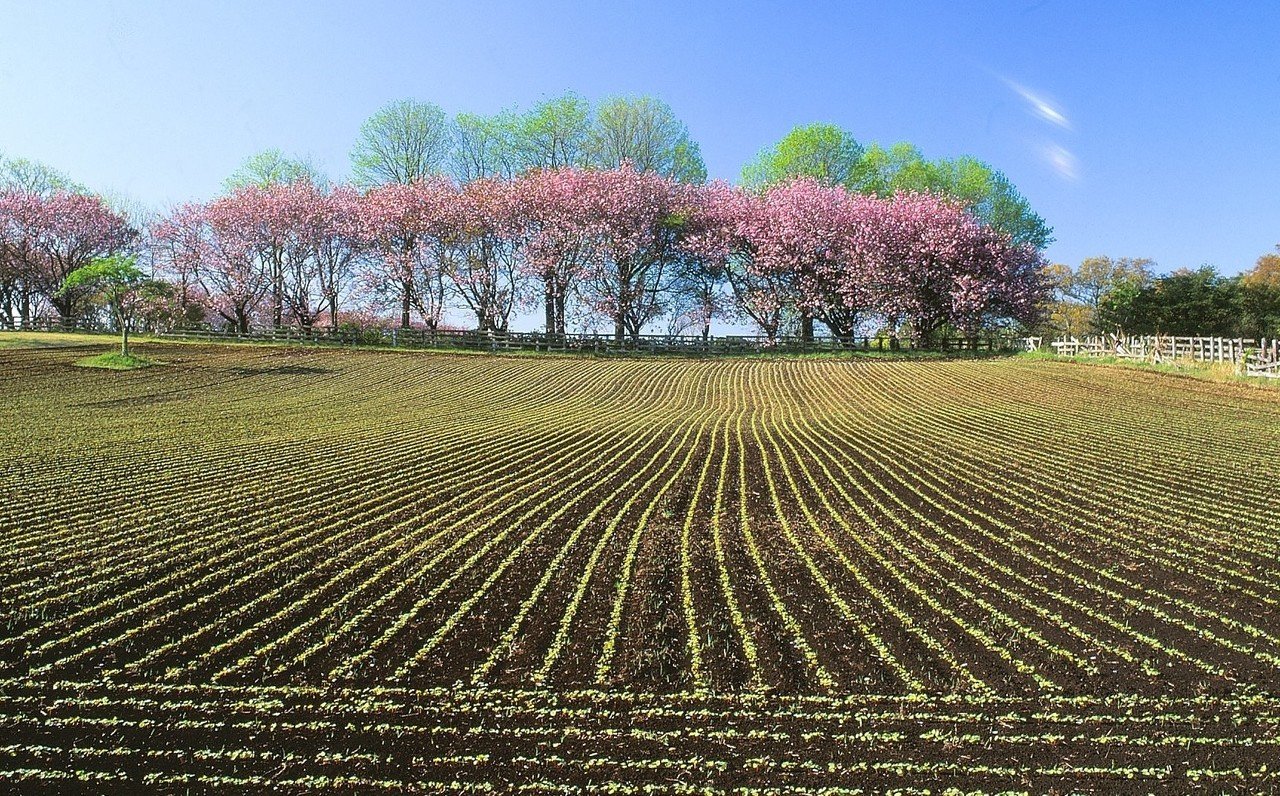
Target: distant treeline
<point>1104,295</point>
<point>593,215</point>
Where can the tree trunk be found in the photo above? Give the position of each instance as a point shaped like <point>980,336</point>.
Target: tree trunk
<point>277,296</point>
<point>549,297</point>
<point>124,339</point>
<point>560,299</point>
<point>404,309</point>
<point>64,306</point>
<point>924,334</point>
<point>333,312</point>
<point>806,327</point>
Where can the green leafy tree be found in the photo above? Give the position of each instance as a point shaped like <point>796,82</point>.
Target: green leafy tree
<point>118,283</point>
<point>645,132</point>
<point>1197,302</point>
<point>553,134</point>
<point>1124,309</point>
<point>486,146</point>
<point>987,192</point>
<point>403,142</point>
<point>1188,302</point>
<point>901,167</point>
<point>1085,291</point>
<point>1097,276</point>
<point>1260,297</point>
<point>35,177</point>
<point>272,167</point>
<point>824,152</point>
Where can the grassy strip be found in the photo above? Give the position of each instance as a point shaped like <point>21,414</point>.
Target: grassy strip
<point>14,339</point>
<point>114,360</point>
<point>1218,372</point>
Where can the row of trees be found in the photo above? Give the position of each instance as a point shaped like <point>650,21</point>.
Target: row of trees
<point>50,228</point>
<point>590,214</point>
<point>615,246</point>
<point>408,140</point>
<point>1104,295</point>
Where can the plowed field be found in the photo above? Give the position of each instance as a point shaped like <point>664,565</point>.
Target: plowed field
<point>318,571</point>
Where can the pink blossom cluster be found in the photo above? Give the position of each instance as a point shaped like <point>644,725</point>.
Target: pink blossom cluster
<point>914,260</point>
<point>45,237</point>
<point>617,246</point>
<point>284,252</point>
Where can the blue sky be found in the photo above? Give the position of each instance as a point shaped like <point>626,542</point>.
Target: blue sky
<point>1136,128</point>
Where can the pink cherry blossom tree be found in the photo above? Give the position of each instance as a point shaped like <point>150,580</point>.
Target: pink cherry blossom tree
<point>487,267</point>
<point>409,231</point>
<point>48,237</point>
<point>557,239</point>
<point>810,239</point>
<point>259,218</point>
<point>308,238</point>
<point>939,265</point>
<point>17,294</point>
<point>336,237</point>
<point>726,231</point>
<point>804,248</point>
<point>635,225</point>
<point>215,259</point>
<point>1013,285</point>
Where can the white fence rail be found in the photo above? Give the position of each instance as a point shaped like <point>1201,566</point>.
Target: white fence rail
<point>1252,357</point>
<point>1264,360</point>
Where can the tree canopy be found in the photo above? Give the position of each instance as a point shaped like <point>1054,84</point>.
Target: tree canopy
<point>646,133</point>
<point>119,283</point>
<point>272,167</point>
<point>822,152</point>
<point>32,176</point>
<point>832,156</point>
<point>554,133</point>
<point>595,210</point>
<point>485,146</point>
<point>405,141</point>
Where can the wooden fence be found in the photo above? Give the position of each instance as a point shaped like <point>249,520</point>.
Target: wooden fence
<point>1264,360</point>
<point>47,324</point>
<point>420,338</point>
<point>1252,357</point>
<point>592,343</point>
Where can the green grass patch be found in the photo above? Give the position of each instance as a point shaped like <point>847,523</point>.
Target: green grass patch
<point>114,360</point>
<point>1220,372</point>
<point>12,339</point>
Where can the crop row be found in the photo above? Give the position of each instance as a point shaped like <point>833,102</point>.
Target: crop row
<point>799,527</point>
<point>356,739</point>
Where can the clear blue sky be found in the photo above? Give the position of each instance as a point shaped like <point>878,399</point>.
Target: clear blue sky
<point>1135,128</point>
